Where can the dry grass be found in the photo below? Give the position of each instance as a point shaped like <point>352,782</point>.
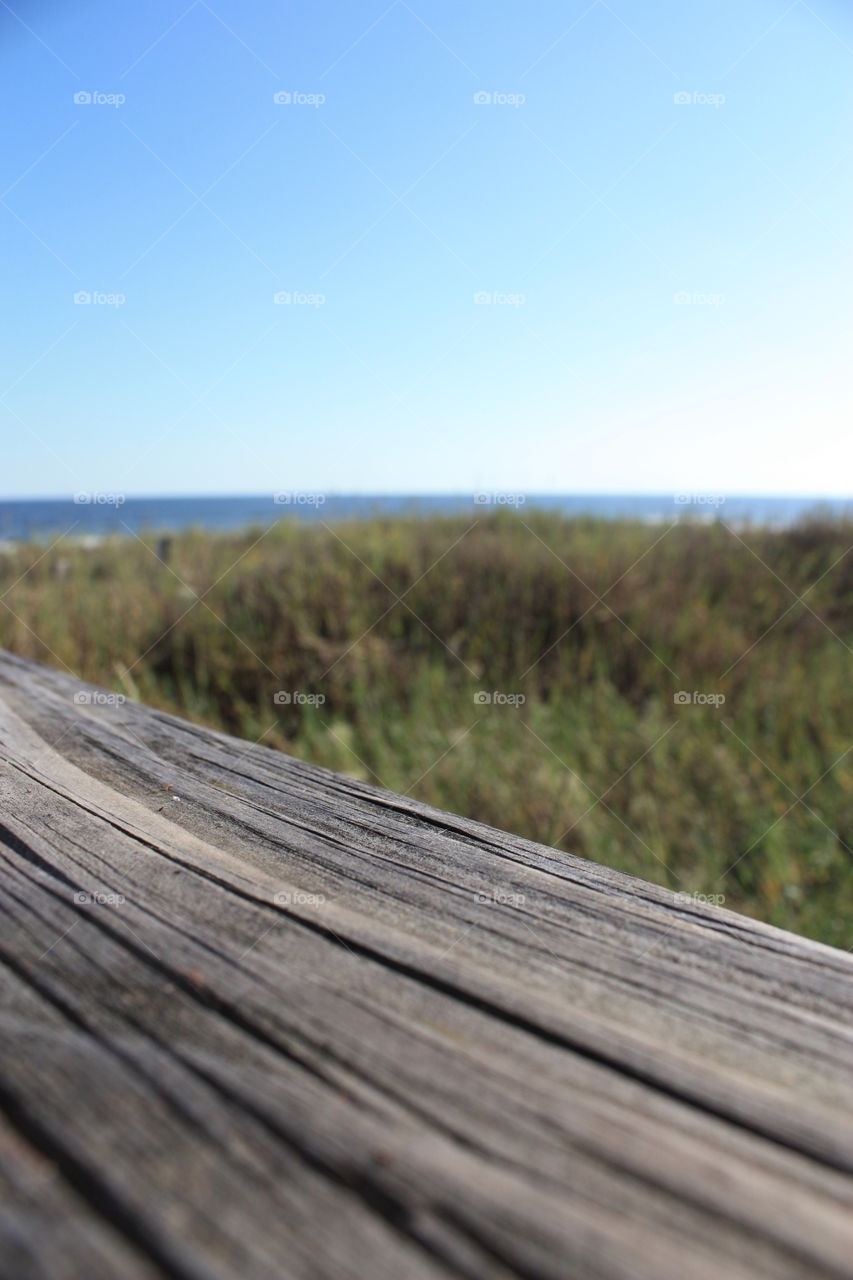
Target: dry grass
<point>398,624</point>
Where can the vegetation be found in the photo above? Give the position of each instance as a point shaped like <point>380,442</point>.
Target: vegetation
<point>398,625</point>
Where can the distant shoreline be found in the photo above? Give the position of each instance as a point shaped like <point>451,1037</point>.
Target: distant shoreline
<point>91,517</point>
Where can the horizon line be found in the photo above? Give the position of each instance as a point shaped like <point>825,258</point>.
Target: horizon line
<point>737,495</point>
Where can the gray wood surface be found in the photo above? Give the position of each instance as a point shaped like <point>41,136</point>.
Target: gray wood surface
<point>260,1020</point>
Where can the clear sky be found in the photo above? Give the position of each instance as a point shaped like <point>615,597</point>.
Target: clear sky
<point>669,281</point>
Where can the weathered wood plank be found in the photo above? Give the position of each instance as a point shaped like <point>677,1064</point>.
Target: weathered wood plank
<point>263,1020</point>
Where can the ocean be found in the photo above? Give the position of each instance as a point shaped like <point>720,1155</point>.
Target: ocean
<point>96,515</point>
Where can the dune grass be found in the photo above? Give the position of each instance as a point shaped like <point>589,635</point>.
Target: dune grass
<point>383,634</point>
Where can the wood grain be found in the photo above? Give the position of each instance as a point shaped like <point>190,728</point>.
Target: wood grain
<point>261,1020</point>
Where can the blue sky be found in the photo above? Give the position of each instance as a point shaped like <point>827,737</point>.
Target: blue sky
<point>669,281</point>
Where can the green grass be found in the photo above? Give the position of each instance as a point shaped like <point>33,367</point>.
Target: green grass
<point>398,624</point>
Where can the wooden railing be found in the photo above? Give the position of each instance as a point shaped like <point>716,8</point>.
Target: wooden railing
<point>260,1020</point>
